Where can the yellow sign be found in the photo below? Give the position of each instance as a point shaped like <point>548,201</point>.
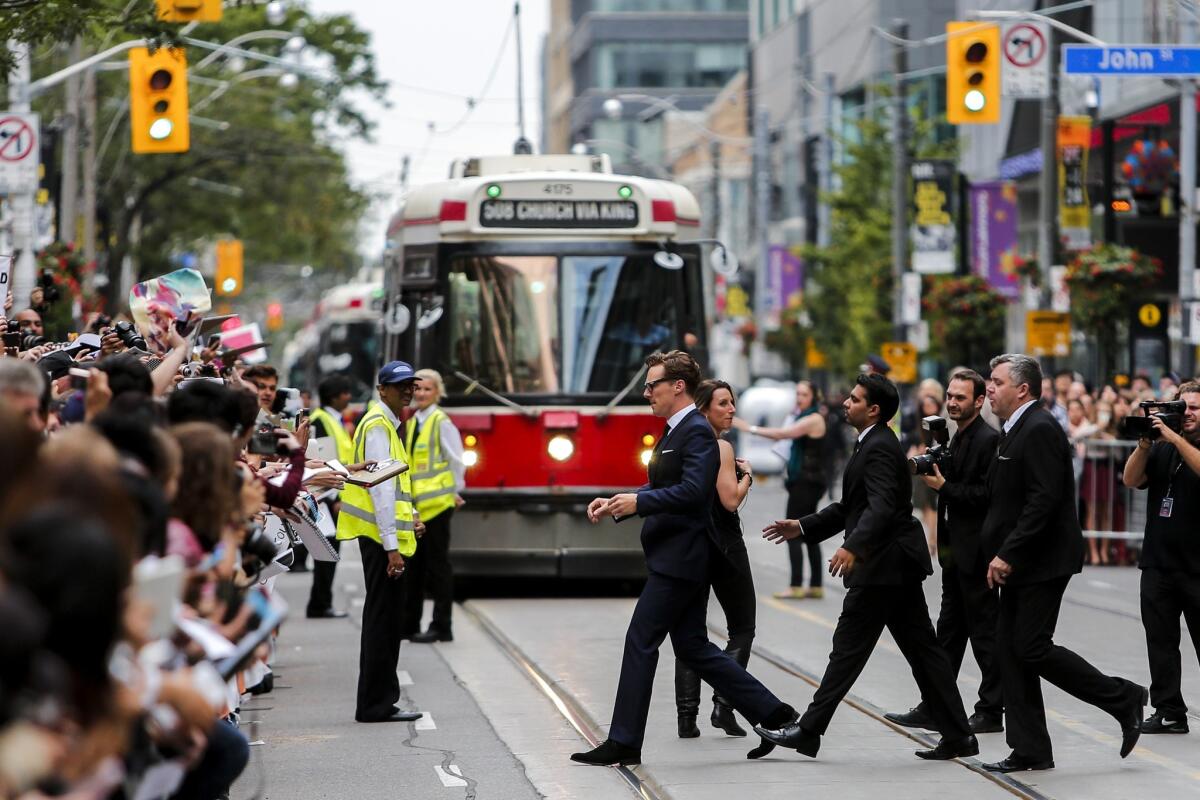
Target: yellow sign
<point>902,358</point>
<point>1150,315</point>
<point>1047,333</point>
<point>813,357</point>
<point>1074,210</point>
<point>737,302</point>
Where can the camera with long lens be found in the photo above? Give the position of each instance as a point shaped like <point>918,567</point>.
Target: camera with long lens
<point>129,336</point>
<point>1169,411</point>
<point>15,337</point>
<point>937,453</point>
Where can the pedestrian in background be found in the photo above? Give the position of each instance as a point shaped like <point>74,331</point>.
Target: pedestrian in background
<point>438,478</point>
<point>804,480</point>
<point>326,422</point>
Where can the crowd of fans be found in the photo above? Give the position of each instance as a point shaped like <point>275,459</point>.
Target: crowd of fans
<point>135,548</point>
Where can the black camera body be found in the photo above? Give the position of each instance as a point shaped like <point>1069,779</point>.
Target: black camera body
<point>46,283</point>
<point>936,436</point>
<point>129,336</point>
<point>264,442</point>
<point>15,337</point>
<point>1169,411</point>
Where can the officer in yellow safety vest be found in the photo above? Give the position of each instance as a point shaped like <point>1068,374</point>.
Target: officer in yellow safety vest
<point>437,478</point>
<point>334,393</point>
<point>386,525</point>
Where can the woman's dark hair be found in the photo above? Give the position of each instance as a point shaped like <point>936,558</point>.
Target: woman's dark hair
<point>331,387</point>
<point>706,390</point>
<point>880,392</point>
<point>818,398</point>
<point>206,499</point>
<point>126,373</point>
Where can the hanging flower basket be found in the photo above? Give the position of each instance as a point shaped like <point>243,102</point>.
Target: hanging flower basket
<point>966,317</point>
<point>1104,282</point>
<point>1028,267</point>
<point>61,273</point>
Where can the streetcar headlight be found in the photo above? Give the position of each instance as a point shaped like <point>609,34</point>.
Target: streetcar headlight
<point>560,448</point>
<point>470,458</point>
<point>648,441</point>
<point>646,456</point>
<point>470,440</point>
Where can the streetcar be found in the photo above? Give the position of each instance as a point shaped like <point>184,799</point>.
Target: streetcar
<point>342,337</point>
<point>537,285</point>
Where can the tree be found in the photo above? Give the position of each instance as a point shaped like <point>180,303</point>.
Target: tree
<point>848,305</point>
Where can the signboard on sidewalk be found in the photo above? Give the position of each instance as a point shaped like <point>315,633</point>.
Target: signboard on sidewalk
<point>19,148</point>
<point>1074,213</point>
<point>1025,69</point>
<point>1047,333</point>
<point>932,230</point>
<point>902,358</point>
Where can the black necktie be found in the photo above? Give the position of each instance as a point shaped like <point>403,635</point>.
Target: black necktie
<point>1003,437</point>
<point>666,432</point>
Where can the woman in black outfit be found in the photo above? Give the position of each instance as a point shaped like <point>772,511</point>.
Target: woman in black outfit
<point>805,482</point>
<point>731,578</point>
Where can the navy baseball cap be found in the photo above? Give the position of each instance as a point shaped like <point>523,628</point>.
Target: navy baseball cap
<point>396,372</point>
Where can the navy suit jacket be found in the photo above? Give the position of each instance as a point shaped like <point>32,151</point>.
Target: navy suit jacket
<point>677,501</point>
<point>876,513</point>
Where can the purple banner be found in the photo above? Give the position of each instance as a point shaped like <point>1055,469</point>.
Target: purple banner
<point>785,282</point>
<point>994,235</point>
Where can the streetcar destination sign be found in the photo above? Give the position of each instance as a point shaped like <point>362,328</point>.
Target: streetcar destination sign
<point>1131,59</point>
<point>558,214</point>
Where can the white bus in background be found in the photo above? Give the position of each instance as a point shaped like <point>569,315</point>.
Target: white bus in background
<point>343,336</point>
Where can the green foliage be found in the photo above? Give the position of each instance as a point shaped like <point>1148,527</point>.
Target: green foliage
<point>966,318</point>
<point>1105,281</point>
<point>848,305</point>
<point>39,23</point>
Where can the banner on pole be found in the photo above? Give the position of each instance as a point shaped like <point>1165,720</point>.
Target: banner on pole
<point>932,231</point>
<point>1074,213</point>
<point>994,235</point>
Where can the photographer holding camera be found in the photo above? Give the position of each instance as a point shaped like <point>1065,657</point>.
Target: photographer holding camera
<point>969,608</point>
<point>1166,463</point>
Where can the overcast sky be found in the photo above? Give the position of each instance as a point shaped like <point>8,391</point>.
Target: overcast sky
<point>434,55</point>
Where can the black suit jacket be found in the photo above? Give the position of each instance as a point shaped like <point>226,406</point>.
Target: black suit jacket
<point>1032,521</point>
<point>677,501</point>
<point>963,499</point>
<point>876,513</point>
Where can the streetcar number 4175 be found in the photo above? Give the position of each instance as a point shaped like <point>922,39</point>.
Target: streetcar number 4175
<point>557,188</point>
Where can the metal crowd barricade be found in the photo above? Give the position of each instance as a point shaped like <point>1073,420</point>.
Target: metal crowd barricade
<point>1110,510</point>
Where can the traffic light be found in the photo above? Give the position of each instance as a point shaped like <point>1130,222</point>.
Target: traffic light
<point>229,267</point>
<point>274,316</point>
<point>972,73</point>
<point>158,101</point>
<point>189,10</point>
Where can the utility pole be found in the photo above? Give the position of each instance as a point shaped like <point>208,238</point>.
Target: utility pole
<point>1187,196</point>
<point>1047,228</point>
<point>522,145</point>
<point>899,177</point>
<point>22,203</point>
<point>89,166</point>
<point>70,159</point>
<point>825,166</point>
<point>714,158</point>
<point>762,209</point>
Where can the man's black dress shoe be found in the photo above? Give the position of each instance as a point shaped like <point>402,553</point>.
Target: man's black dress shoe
<point>1016,763</point>
<point>686,725</point>
<point>431,635</point>
<point>724,719</point>
<point>609,754</point>
<point>329,613</point>
<point>985,723</point>
<point>1158,722</point>
<point>913,718</point>
<point>398,716</point>
<point>1131,720</point>
<point>948,749</point>
<point>793,737</point>
<point>764,749</point>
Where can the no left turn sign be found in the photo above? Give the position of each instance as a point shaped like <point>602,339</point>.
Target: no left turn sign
<point>1024,45</point>
<point>1025,71</point>
<point>18,153</point>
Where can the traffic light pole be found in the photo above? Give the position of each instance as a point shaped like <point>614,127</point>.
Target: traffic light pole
<point>22,203</point>
<point>1047,228</point>
<point>899,177</point>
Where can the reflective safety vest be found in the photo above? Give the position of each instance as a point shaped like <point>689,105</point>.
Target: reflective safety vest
<point>432,480</point>
<point>333,425</point>
<point>357,516</point>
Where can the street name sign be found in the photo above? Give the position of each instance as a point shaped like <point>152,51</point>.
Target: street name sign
<point>1131,59</point>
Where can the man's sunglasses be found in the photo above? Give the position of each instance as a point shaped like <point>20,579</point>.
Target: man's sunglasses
<point>648,386</point>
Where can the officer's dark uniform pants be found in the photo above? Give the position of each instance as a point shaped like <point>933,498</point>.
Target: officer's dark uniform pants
<point>429,571</point>
<point>379,651</point>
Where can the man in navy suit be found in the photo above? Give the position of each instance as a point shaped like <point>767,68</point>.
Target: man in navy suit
<point>882,561</point>
<point>676,504</point>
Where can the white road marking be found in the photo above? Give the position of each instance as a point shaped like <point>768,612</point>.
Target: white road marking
<point>425,723</point>
<point>358,602</point>
<point>1101,584</point>
<point>448,780</point>
<point>405,678</point>
<point>257,742</point>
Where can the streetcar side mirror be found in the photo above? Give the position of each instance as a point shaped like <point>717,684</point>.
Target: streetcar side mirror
<point>668,260</point>
<point>723,262</point>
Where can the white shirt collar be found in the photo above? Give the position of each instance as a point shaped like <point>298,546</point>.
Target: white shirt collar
<point>333,412</point>
<point>678,416</point>
<point>387,413</point>
<point>866,430</point>
<point>423,413</point>
<point>1016,415</point>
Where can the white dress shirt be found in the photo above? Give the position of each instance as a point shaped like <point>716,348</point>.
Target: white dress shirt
<point>452,446</point>
<point>378,448</point>
<point>1016,415</point>
<point>678,416</point>
<point>864,433</point>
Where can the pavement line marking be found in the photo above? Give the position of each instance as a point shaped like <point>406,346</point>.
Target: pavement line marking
<point>425,723</point>
<point>1140,751</point>
<point>358,602</point>
<point>1100,584</point>
<point>449,781</point>
<point>404,678</point>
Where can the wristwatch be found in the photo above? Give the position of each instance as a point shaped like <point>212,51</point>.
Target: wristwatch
<point>754,429</point>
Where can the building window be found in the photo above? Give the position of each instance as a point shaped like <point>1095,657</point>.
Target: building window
<point>682,65</point>
<point>701,6</point>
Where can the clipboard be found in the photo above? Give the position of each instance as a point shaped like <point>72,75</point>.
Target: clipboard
<point>373,476</point>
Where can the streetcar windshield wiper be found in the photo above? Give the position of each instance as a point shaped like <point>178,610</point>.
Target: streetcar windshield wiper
<point>621,394</point>
<point>473,383</point>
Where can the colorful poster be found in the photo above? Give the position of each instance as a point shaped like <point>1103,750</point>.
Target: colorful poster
<point>932,229</point>
<point>785,283</point>
<point>158,303</point>
<point>994,235</point>
<point>1074,213</point>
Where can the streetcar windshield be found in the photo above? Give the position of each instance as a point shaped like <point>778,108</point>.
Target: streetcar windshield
<point>573,324</point>
<point>352,348</point>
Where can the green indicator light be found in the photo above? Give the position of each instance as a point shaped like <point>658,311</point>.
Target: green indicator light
<point>625,192</point>
<point>493,191</point>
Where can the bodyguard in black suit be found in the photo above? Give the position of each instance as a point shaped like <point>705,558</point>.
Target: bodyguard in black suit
<point>677,540</point>
<point>969,606</point>
<point>882,561</point>
<point>1032,530</point>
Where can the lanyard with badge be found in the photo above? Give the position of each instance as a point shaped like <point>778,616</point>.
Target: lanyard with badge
<point>1168,502</point>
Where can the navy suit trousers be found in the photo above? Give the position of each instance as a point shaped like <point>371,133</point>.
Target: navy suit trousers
<point>677,608</point>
